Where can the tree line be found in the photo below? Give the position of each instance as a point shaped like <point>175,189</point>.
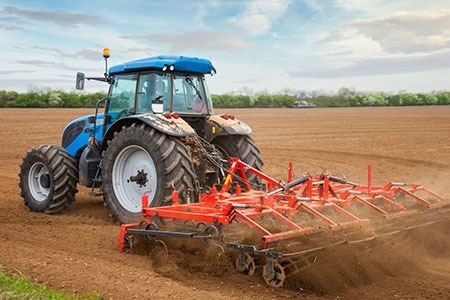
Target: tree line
<point>338,100</point>
<point>48,98</point>
<point>344,98</point>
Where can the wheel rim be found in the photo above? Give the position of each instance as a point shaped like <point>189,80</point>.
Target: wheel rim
<point>134,173</point>
<point>39,182</point>
<point>279,275</point>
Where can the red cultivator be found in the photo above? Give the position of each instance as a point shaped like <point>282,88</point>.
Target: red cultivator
<point>304,206</point>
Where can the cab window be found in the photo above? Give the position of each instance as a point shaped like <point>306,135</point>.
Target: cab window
<point>153,93</point>
<point>188,94</point>
<point>122,96</point>
<point>208,96</point>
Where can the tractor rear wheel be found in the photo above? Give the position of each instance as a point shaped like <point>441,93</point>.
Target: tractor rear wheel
<point>142,160</point>
<point>48,179</point>
<point>244,148</point>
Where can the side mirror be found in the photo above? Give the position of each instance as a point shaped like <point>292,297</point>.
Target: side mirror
<point>79,84</point>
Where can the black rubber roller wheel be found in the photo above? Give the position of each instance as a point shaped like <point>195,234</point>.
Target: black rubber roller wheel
<point>140,159</point>
<point>48,179</point>
<point>244,148</point>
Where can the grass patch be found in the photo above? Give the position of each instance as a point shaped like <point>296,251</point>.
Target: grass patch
<point>14,287</point>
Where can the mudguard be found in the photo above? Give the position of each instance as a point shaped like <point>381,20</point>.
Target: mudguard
<point>220,125</point>
<point>169,125</point>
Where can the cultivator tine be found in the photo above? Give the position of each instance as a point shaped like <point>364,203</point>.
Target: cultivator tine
<point>306,206</point>
<point>123,235</point>
<point>437,196</point>
<point>370,205</point>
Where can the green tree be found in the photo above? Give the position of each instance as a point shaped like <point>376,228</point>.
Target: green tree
<point>264,101</point>
<point>443,98</point>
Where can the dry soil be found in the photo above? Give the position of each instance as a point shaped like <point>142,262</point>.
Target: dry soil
<point>76,252</point>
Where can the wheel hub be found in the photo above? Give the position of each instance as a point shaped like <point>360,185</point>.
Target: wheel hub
<point>39,182</point>
<point>45,181</point>
<point>140,178</point>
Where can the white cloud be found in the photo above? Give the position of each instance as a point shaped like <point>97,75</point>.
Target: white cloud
<point>381,66</point>
<point>407,42</point>
<point>198,40</point>
<point>388,7</point>
<point>259,15</point>
<point>407,32</point>
<point>61,18</point>
<point>254,24</point>
<point>347,40</point>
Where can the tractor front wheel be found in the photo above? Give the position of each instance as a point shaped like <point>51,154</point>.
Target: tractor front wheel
<point>48,179</point>
<point>142,160</point>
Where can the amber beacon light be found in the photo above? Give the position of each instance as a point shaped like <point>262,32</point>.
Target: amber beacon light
<point>106,52</point>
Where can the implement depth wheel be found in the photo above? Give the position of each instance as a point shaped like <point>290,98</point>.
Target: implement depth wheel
<point>140,159</point>
<point>245,264</point>
<point>274,273</point>
<point>48,179</point>
<point>244,148</point>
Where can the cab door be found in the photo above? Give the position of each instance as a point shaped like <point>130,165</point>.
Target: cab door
<point>121,99</point>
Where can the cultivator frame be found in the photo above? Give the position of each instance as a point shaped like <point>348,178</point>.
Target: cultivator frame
<point>276,214</point>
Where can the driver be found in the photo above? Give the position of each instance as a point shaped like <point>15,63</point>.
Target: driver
<point>154,90</point>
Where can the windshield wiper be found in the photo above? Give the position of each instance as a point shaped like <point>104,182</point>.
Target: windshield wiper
<point>191,83</point>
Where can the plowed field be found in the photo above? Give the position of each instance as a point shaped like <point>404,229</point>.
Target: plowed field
<point>76,252</point>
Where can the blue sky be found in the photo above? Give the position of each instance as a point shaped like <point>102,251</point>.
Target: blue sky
<point>259,45</point>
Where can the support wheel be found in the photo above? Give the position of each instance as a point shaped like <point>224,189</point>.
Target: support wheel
<point>140,159</point>
<point>245,264</point>
<point>128,244</point>
<point>212,233</point>
<point>48,179</point>
<point>273,273</point>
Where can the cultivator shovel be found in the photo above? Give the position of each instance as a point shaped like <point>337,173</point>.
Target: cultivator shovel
<point>287,221</point>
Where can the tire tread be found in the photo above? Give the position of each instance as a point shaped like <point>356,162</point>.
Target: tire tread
<point>64,176</point>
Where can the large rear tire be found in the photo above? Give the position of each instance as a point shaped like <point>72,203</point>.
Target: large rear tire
<point>140,159</point>
<point>48,179</point>
<point>243,147</point>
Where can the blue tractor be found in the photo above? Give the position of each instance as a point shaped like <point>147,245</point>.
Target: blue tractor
<point>157,133</point>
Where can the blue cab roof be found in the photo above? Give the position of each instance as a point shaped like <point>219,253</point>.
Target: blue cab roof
<point>180,64</point>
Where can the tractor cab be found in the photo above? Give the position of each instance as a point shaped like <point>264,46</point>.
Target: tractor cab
<point>157,92</point>
<point>160,84</point>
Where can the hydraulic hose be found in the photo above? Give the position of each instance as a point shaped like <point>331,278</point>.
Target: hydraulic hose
<point>289,185</point>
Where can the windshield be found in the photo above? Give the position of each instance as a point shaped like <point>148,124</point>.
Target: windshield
<point>189,94</point>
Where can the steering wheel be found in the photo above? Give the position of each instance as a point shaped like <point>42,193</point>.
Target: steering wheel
<point>158,100</point>
<point>123,113</point>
